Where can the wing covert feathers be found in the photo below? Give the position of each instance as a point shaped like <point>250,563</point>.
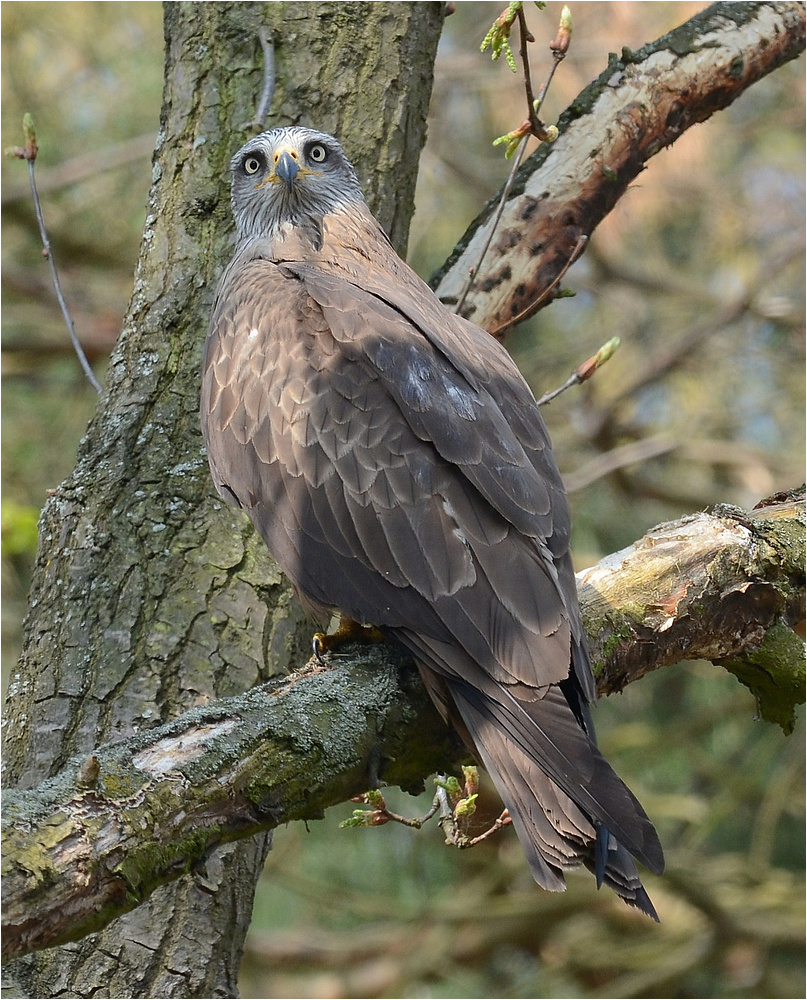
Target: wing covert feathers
<point>396,464</point>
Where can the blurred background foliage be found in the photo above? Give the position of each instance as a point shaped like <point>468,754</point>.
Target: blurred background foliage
<point>700,272</point>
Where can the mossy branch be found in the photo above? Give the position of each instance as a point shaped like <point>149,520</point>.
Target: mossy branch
<point>97,839</point>
<point>726,586</point>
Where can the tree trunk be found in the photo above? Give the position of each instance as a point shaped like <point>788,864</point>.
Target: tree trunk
<point>149,598</point>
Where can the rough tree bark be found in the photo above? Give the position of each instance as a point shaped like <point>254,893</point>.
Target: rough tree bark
<point>149,597</point>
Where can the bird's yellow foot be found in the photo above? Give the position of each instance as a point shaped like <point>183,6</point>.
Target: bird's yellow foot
<point>347,631</point>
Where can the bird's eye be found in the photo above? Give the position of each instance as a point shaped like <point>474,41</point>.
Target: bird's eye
<point>252,165</point>
<point>317,153</point>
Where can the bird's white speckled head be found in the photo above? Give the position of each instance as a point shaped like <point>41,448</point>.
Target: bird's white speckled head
<point>289,176</point>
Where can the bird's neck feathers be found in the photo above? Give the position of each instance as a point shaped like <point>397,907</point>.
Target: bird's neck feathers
<point>286,215</point>
<point>340,237</point>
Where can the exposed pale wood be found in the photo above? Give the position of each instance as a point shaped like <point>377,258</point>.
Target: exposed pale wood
<point>726,586</point>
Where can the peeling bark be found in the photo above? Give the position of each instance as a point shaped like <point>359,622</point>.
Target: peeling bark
<point>726,587</point>
<point>717,586</point>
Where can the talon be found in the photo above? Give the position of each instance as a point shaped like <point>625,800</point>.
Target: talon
<point>348,630</point>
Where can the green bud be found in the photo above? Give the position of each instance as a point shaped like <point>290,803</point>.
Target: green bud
<point>465,807</point>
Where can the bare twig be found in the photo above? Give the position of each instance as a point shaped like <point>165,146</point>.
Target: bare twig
<point>501,822</point>
<point>268,92</point>
<point>532,126</point>
<point>543,91</point>
<point>381,814</point>
<point>525,37</point>
<point>584,372</point>
<point>473,271</point>
<point>573,379</point>
<point>502,328</point>
<point>28,153</point>
<point>537,127</point>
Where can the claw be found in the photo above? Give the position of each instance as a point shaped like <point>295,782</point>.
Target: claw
<point>347,631</point>
<point>318,646</point>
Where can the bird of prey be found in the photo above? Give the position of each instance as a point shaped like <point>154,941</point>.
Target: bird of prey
<point>395,463</point>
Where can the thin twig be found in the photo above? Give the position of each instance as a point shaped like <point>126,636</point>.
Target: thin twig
<point>29,155</point>
<point>526,36</point>
<point>82,357</point>
<point>584,371</point>
<point>556,61</point>
<point>527,310</point>
<point>268,92</point>
<point>559,47</point>
<point>536,128</point>
<point>501,822</point>
<point>573,379</point>
<point>382,814</point>
<point>474,270</point>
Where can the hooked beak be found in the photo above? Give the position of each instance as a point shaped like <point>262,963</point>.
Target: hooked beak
<point>287,168</point>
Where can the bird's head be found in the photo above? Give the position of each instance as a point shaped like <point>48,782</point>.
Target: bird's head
<point>289,176</point>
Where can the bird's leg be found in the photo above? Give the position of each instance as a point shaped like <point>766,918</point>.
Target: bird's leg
<point>346,631</point>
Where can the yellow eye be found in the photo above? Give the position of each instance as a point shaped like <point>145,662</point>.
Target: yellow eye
<point>252,165</point>
<point>317,153</point>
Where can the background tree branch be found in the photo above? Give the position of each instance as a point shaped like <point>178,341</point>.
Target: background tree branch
<point>727,586</point>
<point>640,104</point>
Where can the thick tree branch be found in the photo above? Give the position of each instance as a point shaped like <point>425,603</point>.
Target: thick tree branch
<point>727,586</point>
<point>641,103</point>
<point>97,839</point>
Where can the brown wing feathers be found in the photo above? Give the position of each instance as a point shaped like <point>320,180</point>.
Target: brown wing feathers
<point>397,466</point>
